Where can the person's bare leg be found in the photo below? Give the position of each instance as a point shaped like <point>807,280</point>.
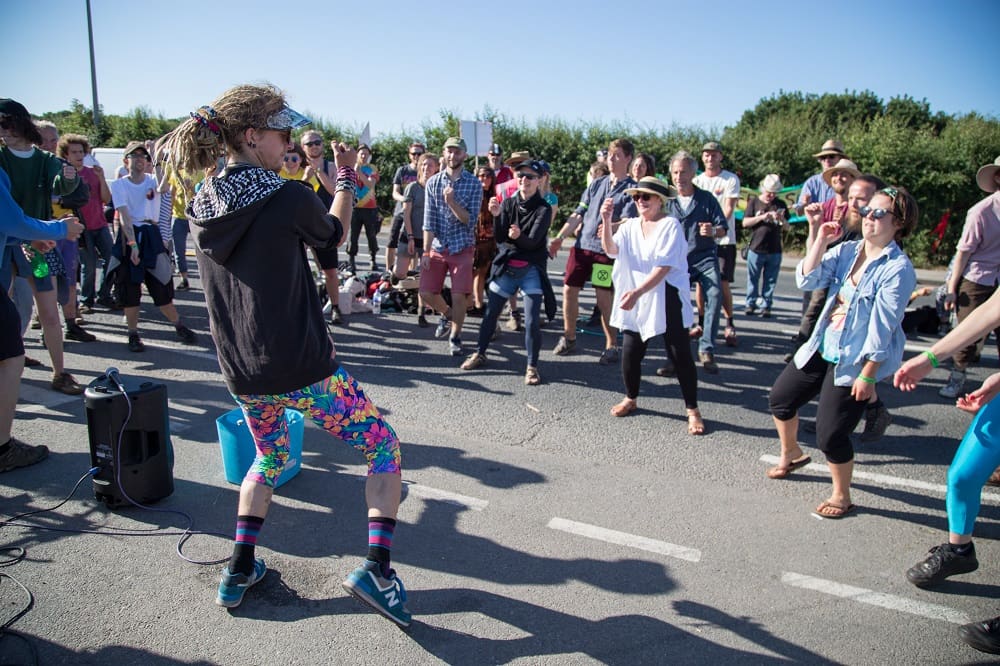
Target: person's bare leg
<point>170,312</point>
<point>841,474</point>
<point>48,315</point>
<point>727,300</point>
<point>436,302</point>
<point>571,310</point>
<point>605,297</point>
<point>10,386</point>
<point>333,285</point>
<point>132,318</point>
<point>459,304</point>
<point>382,493</point>
<point>788,435</point>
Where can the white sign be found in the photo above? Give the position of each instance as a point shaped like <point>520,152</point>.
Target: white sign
<point>478,136</point>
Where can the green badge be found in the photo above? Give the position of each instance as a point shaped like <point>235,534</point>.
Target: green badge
<point>600,275</point>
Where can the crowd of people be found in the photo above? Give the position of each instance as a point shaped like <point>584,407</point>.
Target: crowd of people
<point>660,254</point>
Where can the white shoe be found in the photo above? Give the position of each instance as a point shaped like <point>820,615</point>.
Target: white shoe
<point>956,382</point>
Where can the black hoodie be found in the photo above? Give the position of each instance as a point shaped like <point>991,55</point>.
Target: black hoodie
<point>264,309</point>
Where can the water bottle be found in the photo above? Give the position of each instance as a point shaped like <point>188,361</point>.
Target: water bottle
<point>39,267</point>
<point>377,302</point>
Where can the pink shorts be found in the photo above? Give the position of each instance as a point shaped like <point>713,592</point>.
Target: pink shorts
<point>457,266</point>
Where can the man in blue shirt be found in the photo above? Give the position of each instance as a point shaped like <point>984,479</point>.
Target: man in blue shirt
<point>588,253</point>
<point>815,189</point>
<point>452,201</point>
<point>703,221</point>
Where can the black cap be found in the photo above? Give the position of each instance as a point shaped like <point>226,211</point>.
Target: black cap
<point>11,108</point>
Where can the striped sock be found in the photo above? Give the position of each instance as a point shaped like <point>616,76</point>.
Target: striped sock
<point>380,541</point>
<point>247,529</point>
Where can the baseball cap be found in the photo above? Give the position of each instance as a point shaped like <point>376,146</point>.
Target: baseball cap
<point>456,142</point>
<point>134,146</point>
<point>11,108</point>
<point>711,145</point>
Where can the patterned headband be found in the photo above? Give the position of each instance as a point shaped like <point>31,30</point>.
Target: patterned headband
<point>205,116</point>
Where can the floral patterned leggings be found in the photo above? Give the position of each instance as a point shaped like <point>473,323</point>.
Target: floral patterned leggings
<point>336,404</point>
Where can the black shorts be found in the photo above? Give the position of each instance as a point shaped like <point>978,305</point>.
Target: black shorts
<point>11,344</point>
<point>328,259</point>
<point>727,262</point>
<point>394,231</point>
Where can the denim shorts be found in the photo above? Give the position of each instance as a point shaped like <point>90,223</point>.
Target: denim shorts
<point>507,286</point>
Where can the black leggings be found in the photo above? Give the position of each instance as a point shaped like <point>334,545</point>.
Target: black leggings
<point>367,219</point>
<point>837,414</point>
<point>678,344</point>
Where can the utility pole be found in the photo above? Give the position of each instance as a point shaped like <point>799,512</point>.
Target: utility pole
<point>93,67</point>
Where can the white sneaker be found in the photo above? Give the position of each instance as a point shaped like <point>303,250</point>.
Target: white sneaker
<point>956,382</point>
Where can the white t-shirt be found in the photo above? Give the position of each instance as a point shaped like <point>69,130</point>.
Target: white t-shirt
<point>637,258</point>
<point>724,186</point>
<point>140,199</point>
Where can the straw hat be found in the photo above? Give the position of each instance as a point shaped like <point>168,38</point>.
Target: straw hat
<point>986,176</point>
<point>843,165</point>
<point>771,183</point>
<point>831,147</point>
<point>655,186</point>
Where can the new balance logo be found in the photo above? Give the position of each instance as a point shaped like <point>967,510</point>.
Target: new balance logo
<point>390,598</point>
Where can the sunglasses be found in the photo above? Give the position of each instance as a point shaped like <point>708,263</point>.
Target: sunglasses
<point>293,158</point>
<point>874,213</point>
<point>311,144</point>
<point>528,176</point>
<point>645,196</point>
<point>417,153</point>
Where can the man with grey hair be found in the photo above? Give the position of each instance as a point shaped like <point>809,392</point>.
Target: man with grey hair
<point>703,221</point>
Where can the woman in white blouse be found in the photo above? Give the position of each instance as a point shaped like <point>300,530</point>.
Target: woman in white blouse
<point>650,276</point>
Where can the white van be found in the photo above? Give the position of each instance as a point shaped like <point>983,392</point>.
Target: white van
<point>110,159</point>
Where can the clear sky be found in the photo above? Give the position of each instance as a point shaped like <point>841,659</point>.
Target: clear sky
<point>399,64</point>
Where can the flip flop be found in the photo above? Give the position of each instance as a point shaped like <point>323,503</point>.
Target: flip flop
<point>839,511</point>
<point>624,408</point>
<point>778,472</point>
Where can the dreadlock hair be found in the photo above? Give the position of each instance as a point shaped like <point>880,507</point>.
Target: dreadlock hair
<point>213,130</point>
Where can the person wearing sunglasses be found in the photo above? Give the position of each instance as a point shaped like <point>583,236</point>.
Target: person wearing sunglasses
<point>857,342</point>
<point>521,228</point>
<point>652,292</point>
<point>274,349</point>
<point>293,164</point>
<point>321,174</point>
<point>404,175</point>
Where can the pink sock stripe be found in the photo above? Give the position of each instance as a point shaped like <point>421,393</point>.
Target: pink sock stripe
<point>243,537</point>
<point>384,542</point>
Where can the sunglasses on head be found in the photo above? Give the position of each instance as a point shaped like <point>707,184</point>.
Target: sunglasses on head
<point>643,196</point>
<point>292,158</point>
<point>874,213</point>
<point>527,175</point>
<point>315,142</point>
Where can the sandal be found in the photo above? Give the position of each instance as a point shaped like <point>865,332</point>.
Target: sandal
<point>730,336</point>
<point>696,426</point>
<point>624,408</point>
<point>531,377</point>
<point>779,472</point>
<point>828,509</point>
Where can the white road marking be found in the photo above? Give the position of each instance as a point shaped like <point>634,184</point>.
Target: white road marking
<point>872,598</point>
<point>427,492</point>
<point>43,399</point>
<point>625,539</point>
<point>886,480</point>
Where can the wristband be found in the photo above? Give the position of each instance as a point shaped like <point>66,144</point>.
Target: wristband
<point>867,380</point>
<point>932,358</point>
<point>130,243</point>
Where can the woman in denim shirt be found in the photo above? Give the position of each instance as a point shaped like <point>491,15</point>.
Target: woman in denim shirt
<point>857,342</point>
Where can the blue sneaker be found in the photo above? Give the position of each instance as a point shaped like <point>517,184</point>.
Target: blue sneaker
<point>386,595</point>
<point>232,587</point>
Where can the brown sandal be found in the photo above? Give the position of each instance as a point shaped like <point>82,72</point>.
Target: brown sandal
<point>531,377</point>
<point>779,472</point>
<point>624,408</point>
<point>696,426</point>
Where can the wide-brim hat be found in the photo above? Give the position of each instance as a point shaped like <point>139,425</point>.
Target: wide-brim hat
<point>653,185</point>
<point>985,177</point>
<point>843,165</point>
<point>831,147</point>
<point>771,183</point>
<point>517,157</point>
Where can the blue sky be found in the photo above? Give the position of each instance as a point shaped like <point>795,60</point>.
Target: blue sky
<point>398,65</point>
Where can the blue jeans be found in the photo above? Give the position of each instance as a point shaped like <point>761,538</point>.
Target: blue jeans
<point>97,241</point>
<point>498,293</point>
<point>705,272</point>
<point>179,230</point>
<point>768,265</point>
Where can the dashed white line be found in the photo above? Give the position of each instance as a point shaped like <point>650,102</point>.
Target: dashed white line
<point>886,480</point>
<point>872,598</point>
<point>625,539</point>
<point>427,492</point>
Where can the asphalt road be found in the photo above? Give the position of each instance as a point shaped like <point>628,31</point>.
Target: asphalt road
<point>534,526</point>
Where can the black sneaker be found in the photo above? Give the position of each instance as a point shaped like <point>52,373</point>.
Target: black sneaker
<point>19,454</point>
<point>942,562</point>
<point>109,303</point>
<point>185,334</point>
<point>135,343</point>
<point>76,332</point>
<point>183,285</point>
<point>984,636</point>
<point>422,321</point>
